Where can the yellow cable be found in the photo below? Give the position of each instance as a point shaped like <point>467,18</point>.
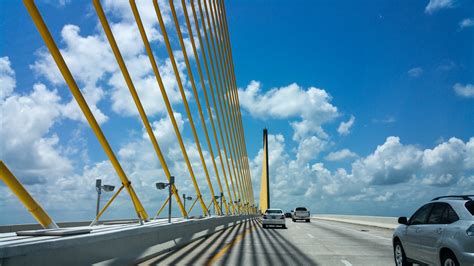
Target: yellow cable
<point>198,103</point>
<point>133,92</point>
<point>185,102</point>
<point>235,188</point>
<point>211,119</point>
<point>226,114</point>
<point>56,54</point>
<point>165,96</point>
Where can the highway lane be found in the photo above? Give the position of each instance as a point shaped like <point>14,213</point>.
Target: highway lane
<point>315,243</point>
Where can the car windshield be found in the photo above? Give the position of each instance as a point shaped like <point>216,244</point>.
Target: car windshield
<point>470,207</point>
<point>274,211</point>
<point>301,209</point>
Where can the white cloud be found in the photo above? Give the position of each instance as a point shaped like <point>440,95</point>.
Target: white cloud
<point>7,78</point>
<point>415,72</point>
<point>388,174</point>
<point>466,23</point>
<point>341,155</point>
<point>312,106</point>
<point>391,163</point>
<point>309,148</point>
<point>435,5</point>
<point>466,91</point>
<point>345,127</point>
<point>25,124</point>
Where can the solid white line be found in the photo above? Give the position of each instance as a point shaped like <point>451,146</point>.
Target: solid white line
<point>346,262</point>
<point>310,235</point>
<point>357,231</point>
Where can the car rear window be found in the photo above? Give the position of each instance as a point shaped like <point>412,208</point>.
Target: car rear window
<point>470,207</point>
<point>274,211</point>
<point>301,209</point>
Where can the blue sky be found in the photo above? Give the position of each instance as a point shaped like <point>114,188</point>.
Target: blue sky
<point>368,102</point>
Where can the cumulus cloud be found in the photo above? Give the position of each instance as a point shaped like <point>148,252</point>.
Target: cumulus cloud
<point>466,23</point>
<point>25,144</point>
<point>435,5</point>
<point>341,155</point>
<point>415,72</point>
<point>7,78</point>
<point>345,127</point>
<point>389,173</point>
<point>465,91</point>
<point>312,106</point>
<point>391,163</point>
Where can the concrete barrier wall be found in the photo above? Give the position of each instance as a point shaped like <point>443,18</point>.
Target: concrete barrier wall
<point>24,227</point>
<point>128,246</point>
<point>377,221</point>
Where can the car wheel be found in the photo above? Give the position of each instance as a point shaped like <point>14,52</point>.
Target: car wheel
<point>307,220</point>
<point>449,259</point>
<point>399,255</point>
<point>293,220</point>
<point>283,226</point>
<point>264,225</point>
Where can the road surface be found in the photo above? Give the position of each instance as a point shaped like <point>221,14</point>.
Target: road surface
<point>315,243</point>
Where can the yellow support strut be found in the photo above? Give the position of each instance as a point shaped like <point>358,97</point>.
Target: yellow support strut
<point>56,54</point>
<point>33,207</point>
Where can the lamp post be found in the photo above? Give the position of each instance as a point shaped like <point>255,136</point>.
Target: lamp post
<point>219,197</point>
<point>185,199</point>
<point>160,186</point>
<point>99,187</point>
<point>238,204</point>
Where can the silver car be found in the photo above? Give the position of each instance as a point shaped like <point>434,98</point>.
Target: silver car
<point>273,217</point>
<point>441,232</point>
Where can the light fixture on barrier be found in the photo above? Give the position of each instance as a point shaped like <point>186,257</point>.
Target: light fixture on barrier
<point>99,187</point>
<point>161,186</point>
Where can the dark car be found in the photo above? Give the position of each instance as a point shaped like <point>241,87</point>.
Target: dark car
<point>287,214</point>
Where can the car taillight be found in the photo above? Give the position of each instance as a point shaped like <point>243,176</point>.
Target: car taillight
<point>470,230</point>
<point>282,217</point>
<point>264,217</point>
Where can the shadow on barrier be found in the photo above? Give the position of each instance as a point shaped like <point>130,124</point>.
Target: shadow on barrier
<point>181,256</point>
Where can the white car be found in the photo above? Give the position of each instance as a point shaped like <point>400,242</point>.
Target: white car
<point>441,232</point>
<point>274,217</point>
<point>301,213</point>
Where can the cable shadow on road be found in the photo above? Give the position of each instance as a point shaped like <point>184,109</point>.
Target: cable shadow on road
<point>283,244</point>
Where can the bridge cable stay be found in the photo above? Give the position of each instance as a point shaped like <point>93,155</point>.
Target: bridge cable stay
<point>227,96</point>
<point>236,98</point>
<point>232,115</point>
<point>225,118</point>
<point>233,180</point>
<point>136,99</point>
<point>210,115</point>
<point>227,73</point>
<point>76,92</point>
<point>185,102</point>
<point>166,101</point>
<point>198,103</point>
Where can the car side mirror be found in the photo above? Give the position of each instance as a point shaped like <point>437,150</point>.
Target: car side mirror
<point>403,220</point>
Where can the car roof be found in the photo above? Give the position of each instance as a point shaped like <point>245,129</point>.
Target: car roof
<point>273,209</point>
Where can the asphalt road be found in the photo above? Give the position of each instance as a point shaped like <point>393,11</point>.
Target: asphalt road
<point>315,243</point>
